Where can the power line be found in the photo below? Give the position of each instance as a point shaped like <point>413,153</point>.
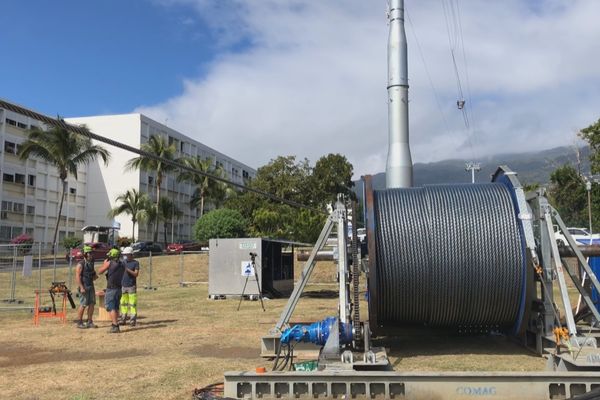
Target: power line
<point>435,92</point>
<point>88,134</point>
<point>456,40</point>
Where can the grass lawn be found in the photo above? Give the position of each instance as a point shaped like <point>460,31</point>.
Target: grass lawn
<point>184,341</point>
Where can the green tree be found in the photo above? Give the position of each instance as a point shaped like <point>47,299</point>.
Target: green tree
<point>65,150</point>
<point>568,195</point>
<point>285,178</point>
<point>331,175</point>
<point>205,188</point>
<point>158,146</point>
<point>167,212</point>
<point>132,203</point>
<point>220,223</point>
<point>289,179</point>
<point>71,242</point>
<point>591,134</point>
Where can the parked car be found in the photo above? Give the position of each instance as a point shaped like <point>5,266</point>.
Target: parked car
<point>143,249</point>
<point>99,251</point>
<point>183,245</point>
<point>581,236</point>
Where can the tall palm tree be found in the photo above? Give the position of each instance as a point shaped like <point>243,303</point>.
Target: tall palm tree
<point>158,146</point>
<point>205,187</point>
<point>65,150</point>
<point>167,211</point>
<point>132,203</point>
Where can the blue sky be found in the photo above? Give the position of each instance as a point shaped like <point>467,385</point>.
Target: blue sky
<point>263,78</point>
<point>96,57</point>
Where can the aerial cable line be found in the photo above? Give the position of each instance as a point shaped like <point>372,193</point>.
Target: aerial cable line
<point>60,123</point>
<point>464,54</point>
<point>456,40</point>
<point>435,92</point>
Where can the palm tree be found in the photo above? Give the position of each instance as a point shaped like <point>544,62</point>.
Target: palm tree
<point>67,151</point>
<point>158,146</point>
<point>167,211</point>
<point>205,187</point>
<point>132,203</point>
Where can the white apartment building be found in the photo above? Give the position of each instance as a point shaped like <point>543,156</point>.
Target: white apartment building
<point>105,183</point>
<point>30,190</point>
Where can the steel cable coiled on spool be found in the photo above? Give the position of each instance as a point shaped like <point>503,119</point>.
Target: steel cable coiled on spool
<point>447,256</point>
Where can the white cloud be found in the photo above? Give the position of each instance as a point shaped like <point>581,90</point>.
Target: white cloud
<point>312,81</point>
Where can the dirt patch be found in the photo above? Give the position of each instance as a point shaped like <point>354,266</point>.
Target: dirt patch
<point>11,356</point>
<point>226,352</point>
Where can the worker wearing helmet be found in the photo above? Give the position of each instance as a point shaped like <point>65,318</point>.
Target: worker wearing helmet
<point>114,269</point>
<point>85,276</point>
<point>128,290</point>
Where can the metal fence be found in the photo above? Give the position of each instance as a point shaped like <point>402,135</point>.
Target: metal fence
<point>26,268</point>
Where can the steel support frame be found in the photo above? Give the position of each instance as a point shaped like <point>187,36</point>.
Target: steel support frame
<point>422,385</point>
<point>538,204</point>
<point>336,218</point>
<point>582,262</point>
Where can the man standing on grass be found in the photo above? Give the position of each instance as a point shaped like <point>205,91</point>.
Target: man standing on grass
<point>128,290</point>
<point>85,276</point>
<point>114,269</point>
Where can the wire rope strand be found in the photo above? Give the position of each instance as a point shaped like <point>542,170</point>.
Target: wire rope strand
<point>448,256</point>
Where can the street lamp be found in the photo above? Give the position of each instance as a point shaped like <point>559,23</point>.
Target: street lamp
<point>472,166</point>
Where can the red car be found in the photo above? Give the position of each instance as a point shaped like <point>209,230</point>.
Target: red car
<point>99,251</point>
<point>183,245</point>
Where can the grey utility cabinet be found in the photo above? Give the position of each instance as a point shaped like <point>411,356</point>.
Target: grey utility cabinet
<point>228,267</point>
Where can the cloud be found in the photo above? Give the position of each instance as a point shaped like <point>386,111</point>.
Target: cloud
<point>309,78</point>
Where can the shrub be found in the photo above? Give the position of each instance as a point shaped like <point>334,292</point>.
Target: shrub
<point>221,223</point>
<point>24,241</point>
<point>123,241</point>
<point>70,242</point>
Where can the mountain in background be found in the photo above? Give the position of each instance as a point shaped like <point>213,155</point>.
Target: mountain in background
<point>531,167</point>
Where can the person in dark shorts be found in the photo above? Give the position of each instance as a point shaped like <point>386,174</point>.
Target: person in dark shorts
<point>129,288</point>
<point>114,269</point>
<point>85,276</point>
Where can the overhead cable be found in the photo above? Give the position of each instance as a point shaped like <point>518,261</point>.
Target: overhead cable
<point>177,164</point>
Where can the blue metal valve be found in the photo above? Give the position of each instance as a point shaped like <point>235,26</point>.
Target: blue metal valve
<point>317,332</point>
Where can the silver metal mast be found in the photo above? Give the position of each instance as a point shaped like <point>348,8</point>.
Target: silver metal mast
<point>399,173</point>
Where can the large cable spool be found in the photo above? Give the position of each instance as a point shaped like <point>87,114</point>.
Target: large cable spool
<point>447,256</point>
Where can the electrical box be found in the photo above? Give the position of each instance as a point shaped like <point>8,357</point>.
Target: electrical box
<point>231,272</point>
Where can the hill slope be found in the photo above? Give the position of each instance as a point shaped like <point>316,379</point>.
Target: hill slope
<point>532,167</point>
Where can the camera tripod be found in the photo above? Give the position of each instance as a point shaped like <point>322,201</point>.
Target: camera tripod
<point>253,258</point>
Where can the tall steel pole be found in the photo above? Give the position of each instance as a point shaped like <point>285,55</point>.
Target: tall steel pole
<point>399,173</point>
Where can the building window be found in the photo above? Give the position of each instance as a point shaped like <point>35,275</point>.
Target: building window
<point>181,146</point>
<point>150,180</point>
<point>72,190</point>
<point>10,147</point>
<point>20,178</point>
<point>31,180</point>
<point>11,122</point>
<point>6,205</point>
<point>29,231</point>
<point>245,174</point>
<point>5,232</point>
<point>18,207</point>
<point>30,210</point>
<point>16,231</point>
<point>32,126</point>
<point>21,125</point>
<point>8,177</point>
